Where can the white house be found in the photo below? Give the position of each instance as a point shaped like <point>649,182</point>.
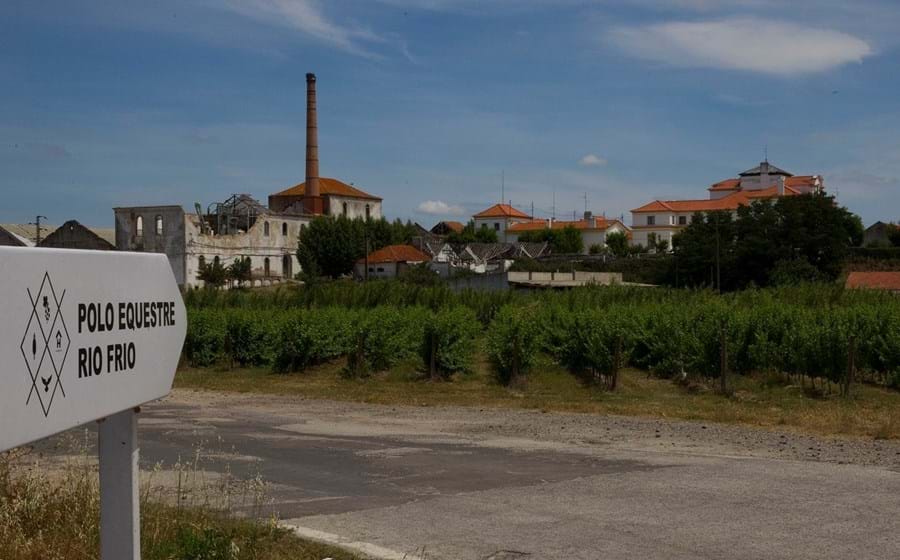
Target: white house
<point>662,219</point>
<point>594,229</point>
<point>389,262</point>
<point>499,218</point>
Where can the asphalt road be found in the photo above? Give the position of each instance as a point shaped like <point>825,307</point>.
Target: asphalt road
<point>454,484</point>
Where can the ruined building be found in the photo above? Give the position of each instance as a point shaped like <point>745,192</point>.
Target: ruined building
<point>241,226</point>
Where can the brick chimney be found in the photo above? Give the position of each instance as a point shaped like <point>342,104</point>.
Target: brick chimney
<point>312,198</point>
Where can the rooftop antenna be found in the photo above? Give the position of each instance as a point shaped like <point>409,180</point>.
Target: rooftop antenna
<point>766,152</point>
<point>585,201</point>
<point>37,229</point>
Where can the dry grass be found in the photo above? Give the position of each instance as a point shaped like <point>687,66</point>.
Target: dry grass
<point>52,513</point>
<point>870,412</point>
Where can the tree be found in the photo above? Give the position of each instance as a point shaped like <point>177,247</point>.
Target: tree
<point>618,243</point>
<point>566,240</point>
<point>657,244</point>
<point>213,274</point>
<point>240,270</point>
<point>894,235</point>
<point>792,236</point>
<point>331,245</point>
<point>471,234</point>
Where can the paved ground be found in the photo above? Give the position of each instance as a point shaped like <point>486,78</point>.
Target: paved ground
<point>456,483</point>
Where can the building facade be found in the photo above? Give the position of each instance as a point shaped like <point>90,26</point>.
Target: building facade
<point>594,229</point>
<point>389,262</point>
<point>660,220</point>
<point>499,218</point>
<point>268,239</point>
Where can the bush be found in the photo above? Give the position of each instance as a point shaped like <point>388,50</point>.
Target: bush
<point>448,341</point>
<point>204,343</point>
<point>596,347</point>
<point>249,336</point>
<point>513,342</point>
<point>384,337</point>
<point>313,337</point>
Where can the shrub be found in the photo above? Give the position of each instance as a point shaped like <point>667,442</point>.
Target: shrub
<point>204,342</point>
<point>448,343</point>
<point>597,346</point>
<point>513,341</point>
<point>249,336</point>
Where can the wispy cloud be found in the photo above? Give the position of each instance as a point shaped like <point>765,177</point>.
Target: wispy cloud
<point>309,18</point>
<point>440,208</point>
<point>592,160</point>
<point>742,43</point>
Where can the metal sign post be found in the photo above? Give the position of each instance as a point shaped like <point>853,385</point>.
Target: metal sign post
<point>85,336</point>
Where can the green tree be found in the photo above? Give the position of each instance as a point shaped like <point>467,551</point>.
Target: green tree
<point>471,234</point>
<point>618,243</point>
<point>213,274</point>
<point>566,240</point>
<point>240,270</point>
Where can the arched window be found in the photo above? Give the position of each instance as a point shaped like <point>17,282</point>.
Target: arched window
<point>344,206</point>
<point>368,210</point>
<point>201,262</point>
<point>139,226</point>
<point>266,229</point>
<point>159,225</point>
<point>266,267</point>
<point>284,228</point>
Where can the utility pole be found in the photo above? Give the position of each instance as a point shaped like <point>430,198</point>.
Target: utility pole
<point>37,229</point>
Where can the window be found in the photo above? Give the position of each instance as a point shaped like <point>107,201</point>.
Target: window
<point>302,227</point>
<point>682,220</point>
<point>201,262</point>
<point>344,206</point>
<point>496,226</point>
<point>368,210</point>
<point>159,225</point>
<point>266,229</point>
<point>284,229</point>
<point>651,220</point>
<point>139,226</point>
<point>216,260</point>
<point>380,269</point>
<point>266,266</point>
<point>671,220</point>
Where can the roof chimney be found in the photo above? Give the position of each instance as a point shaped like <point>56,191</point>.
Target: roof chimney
<point>312,198</point>
<point>764,175</point>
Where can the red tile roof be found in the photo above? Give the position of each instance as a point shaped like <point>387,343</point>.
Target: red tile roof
<point>396,253</point>
<point>726,185</point>
<point>601,223</point>
<point>328,186</point>
<point>874,280</point>
<point>730,202</point>
<point>501,211</point>
<point>454,226</point>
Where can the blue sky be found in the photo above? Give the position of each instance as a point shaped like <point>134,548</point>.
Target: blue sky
<point>426,103</point>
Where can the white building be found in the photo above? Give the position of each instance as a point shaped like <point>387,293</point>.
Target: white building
<point>594,229</point>
<point>662,219</point>
<point>389,262</point>
<point>240,227</point>
<point>499,218</point>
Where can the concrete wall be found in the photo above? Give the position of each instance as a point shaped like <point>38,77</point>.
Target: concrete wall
<point>356,207</point>
<point>278,248</point>
<point>485,282</point>
<point>170,240</point>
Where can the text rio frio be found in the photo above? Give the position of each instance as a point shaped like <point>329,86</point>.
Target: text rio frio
<point>122,317</point>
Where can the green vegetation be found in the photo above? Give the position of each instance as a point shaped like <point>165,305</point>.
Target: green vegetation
<point>562,241</point>
<point>791,240</point>
<point>47,516</point>
<point>471,234</point>
<point>330,246</point>
<point>805,331</point>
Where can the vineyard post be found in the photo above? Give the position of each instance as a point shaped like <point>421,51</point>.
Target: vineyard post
<point>433,364</point>
<point>617,363</point>
<point>851,365</point>
<point>723,360</point>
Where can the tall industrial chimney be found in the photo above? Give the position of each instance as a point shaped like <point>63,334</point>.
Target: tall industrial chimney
<point>312,197</point>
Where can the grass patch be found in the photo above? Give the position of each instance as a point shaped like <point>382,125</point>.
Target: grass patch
<point>54,515</point>
<point>763,401</point>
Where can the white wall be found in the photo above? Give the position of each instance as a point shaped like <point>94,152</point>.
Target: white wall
<point>254,244</point>
<point>356,207</point>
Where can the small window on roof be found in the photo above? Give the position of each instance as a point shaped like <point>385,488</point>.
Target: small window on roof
<point>159,224</point>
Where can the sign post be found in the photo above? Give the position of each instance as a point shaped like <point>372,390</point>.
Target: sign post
<point>85,336</point>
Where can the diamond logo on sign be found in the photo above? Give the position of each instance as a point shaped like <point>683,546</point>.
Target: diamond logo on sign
<point>45,344</point>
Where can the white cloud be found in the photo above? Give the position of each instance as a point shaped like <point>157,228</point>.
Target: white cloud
<point>440,208</point>
<point>742,43</point>
<point>307,17</point>
<point>592,160</point>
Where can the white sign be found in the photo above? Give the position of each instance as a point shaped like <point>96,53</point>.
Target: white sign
<point>83,335</point>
